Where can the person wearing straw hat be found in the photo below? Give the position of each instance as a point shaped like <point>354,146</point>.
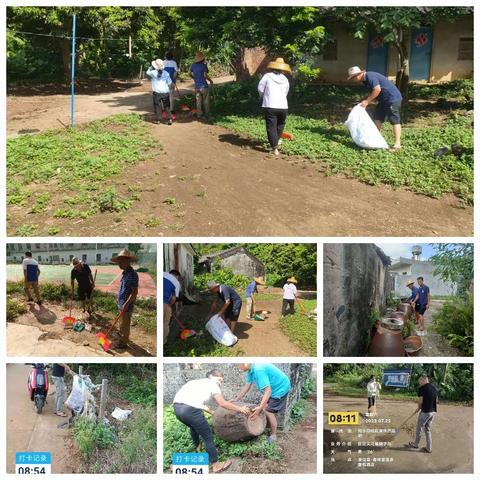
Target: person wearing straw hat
<point>232,303</point>
<point>289,296</point>
<point>273,89</point>
<point>388,97</point>
<point>414,295</point>
<point>199,72</point>
<point>127,294</point>
<point>82,273</point>
<point>250,292</point>
<point>161,82</point>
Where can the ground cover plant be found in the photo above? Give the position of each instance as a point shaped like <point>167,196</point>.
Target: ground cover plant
<point>301,329</point>
<point>76,163</point>
<point>121,447</point>
<point>316,120</point>
<point>59,293</point>
<point>176,438</point>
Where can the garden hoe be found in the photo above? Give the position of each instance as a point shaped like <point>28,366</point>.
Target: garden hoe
<point>90,302</point>
<point>103,337</point>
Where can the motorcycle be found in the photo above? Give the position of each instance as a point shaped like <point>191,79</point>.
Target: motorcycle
<point>38,386</point>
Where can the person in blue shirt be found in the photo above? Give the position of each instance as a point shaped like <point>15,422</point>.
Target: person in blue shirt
<point>388,97</point>
<point>161,82</point>
<point>250,292</point>
<point>232,303</point>
<point>171,68</point>
<point>199,72</point>
<point>31,273</point>
<point>171,293</point>
<point>275,386</point>
<point>127,294</point>
<point>422,304</point>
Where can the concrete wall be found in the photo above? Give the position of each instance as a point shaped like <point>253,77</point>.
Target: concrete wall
<point>355,281</point>
<point>242,264</point>
<point>445,65</point>
<point>177,374</point>
<point>179,256</point>
<point>446,37</point>
<point>425,270</point>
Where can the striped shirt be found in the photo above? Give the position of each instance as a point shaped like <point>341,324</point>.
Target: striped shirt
<point>128,283</point>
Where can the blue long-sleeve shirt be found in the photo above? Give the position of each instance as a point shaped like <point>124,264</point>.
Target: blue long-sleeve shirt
<point>161,80</point>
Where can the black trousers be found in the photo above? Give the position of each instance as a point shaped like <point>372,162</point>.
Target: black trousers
<point>275,119</point>
<point>195,420</point>
<point>288,307</point>
<point>371,401</point>
<point>161,103</point>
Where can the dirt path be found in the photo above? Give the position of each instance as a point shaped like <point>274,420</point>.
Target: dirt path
<point>434,344</point>
<point>224,185</point>
<point>452,447</point>
<point>298,450</point>
<point>265,339</point>
<point>300,444</point>
<point>40,332</point>
<point>29,432</point>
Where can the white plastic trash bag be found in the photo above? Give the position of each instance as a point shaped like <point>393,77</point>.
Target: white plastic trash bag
<point>219,330</point>
<point>76,399</point>
<point>362,129</point>
<point>120,414</point>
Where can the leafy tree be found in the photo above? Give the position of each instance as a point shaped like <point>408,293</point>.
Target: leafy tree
<point>454,264</point>
<point>394,24</point>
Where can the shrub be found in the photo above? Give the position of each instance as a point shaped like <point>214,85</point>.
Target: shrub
<point>224,276</point>
<point>90,435</point>
<point>455,322</point>
<point>15,309</point>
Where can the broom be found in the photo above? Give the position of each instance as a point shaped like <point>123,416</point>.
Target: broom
<point>103,337</point>
<point>69,321</point>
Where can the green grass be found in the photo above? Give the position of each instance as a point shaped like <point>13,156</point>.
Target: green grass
<point>76,164</point>
<point>198,346</point>
<point>176,438</point>
<point>316,120</point>
<point>302,330</point>
<point>145,312</point>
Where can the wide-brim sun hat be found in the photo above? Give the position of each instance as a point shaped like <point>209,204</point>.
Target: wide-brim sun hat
<point>212,284</point>
<point>410,282</point>
<point>158,64</point>
<point>279,64</point>
<point>124,254</point>
<point>259,280</point>
<point>354,71</point>
<point>292,280</point>
<point>199,57</point>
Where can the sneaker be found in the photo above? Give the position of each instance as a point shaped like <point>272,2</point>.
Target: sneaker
<point>170,122</point>
<point>275,152</point>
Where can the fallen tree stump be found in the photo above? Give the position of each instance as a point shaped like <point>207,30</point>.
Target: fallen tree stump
<point>236,427</point>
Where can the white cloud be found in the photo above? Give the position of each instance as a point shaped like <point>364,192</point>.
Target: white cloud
<point>396,250</point>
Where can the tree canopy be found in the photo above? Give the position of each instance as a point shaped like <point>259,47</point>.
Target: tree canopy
<point>297,33</point>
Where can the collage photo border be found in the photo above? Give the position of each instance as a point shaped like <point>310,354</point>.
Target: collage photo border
<point>160,360</point>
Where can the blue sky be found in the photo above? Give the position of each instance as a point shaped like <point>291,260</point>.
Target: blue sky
<point>396,250</point>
